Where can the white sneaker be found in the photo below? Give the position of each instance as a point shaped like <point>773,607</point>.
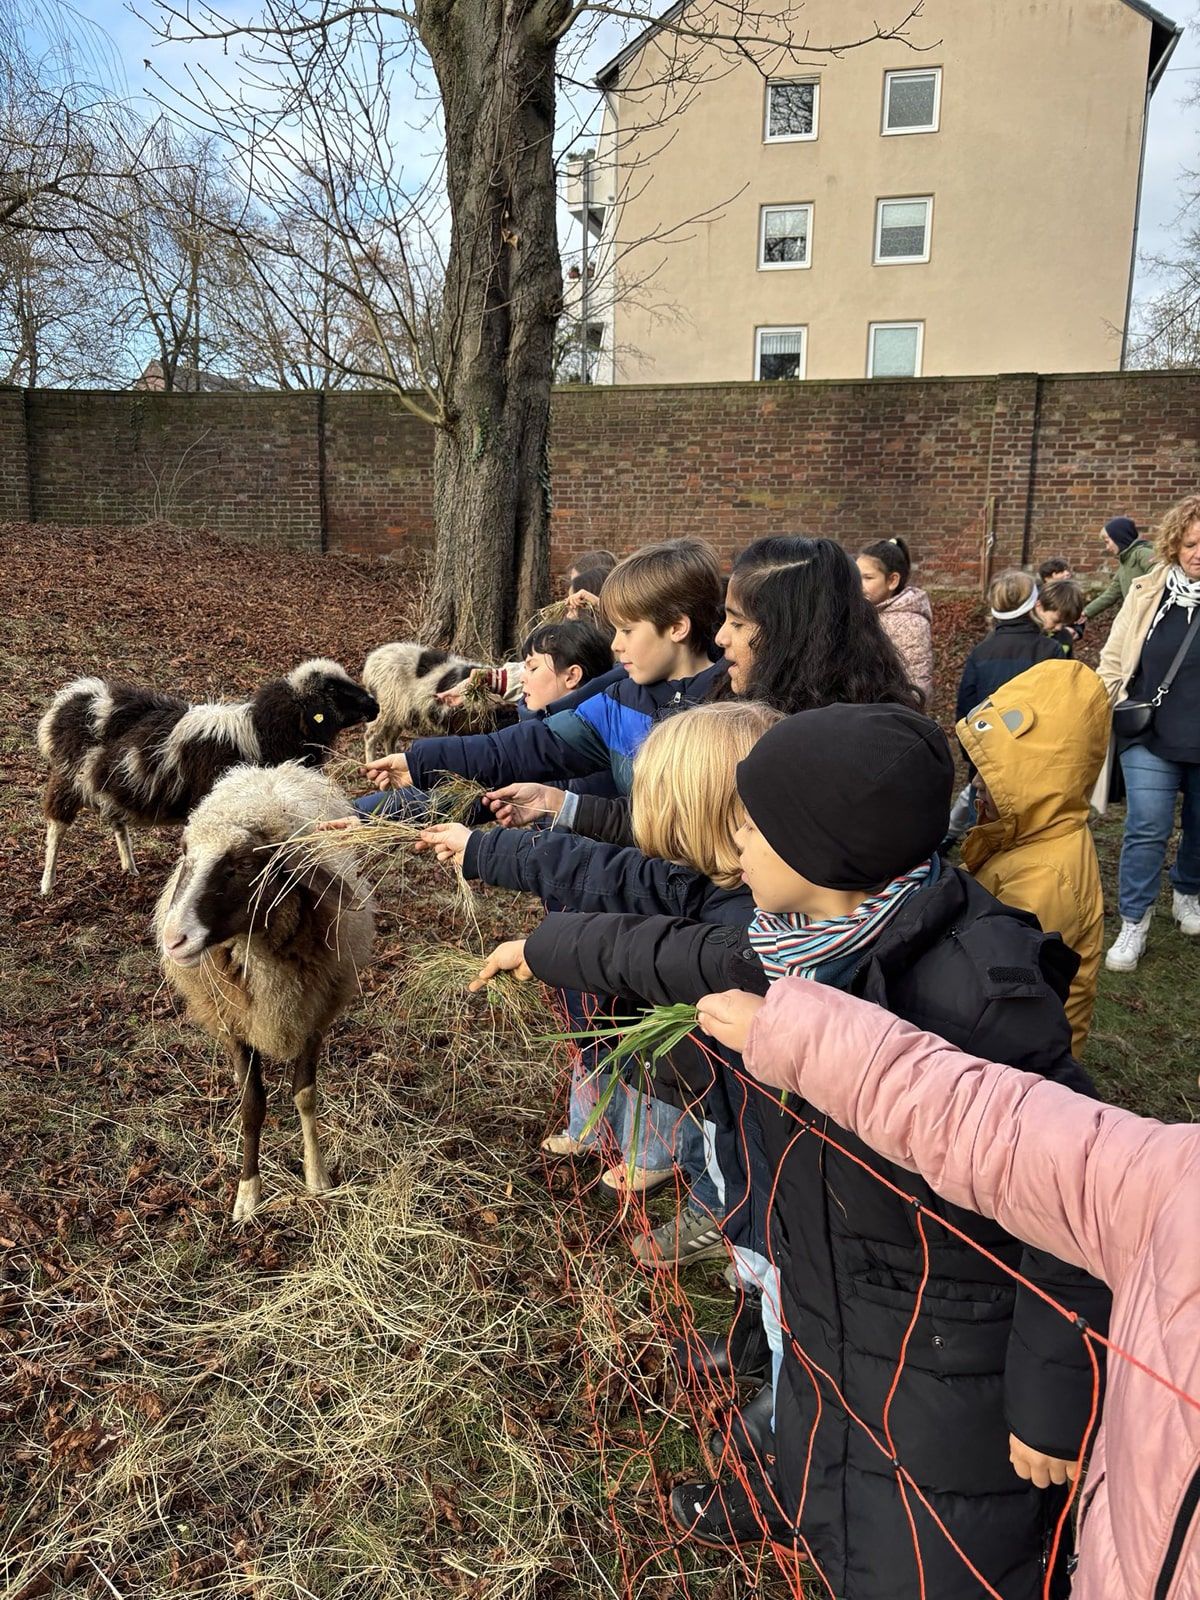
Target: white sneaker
<point>1127,948</point>
<point>1185,908</point>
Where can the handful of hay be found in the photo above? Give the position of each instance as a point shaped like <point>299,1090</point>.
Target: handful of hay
<point>377,843</point>
<point>573,608</point>
<point>477,704</point>
<point>433,990</point>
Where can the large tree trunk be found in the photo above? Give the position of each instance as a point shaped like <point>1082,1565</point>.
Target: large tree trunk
<point>494,61</point>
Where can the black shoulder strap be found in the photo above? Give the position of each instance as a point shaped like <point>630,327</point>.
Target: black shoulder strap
<point>1189,633</point>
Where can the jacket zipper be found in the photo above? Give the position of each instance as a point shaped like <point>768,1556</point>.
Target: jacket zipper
<point>1179,1533</point>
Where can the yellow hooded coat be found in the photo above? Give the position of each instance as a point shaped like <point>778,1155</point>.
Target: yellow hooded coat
<point>1039,743</point>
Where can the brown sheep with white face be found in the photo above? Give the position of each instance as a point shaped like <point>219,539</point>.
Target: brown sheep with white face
<point>264,950</point>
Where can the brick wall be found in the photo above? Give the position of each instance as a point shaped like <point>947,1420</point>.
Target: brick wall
<point>1032,464</point>
<point>243,465</point>
<point>14,457</point>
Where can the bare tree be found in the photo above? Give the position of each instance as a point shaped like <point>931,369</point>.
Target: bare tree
<point>461,299</point>
<point>57,313</point>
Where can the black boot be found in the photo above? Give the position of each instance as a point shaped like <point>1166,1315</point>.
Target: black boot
<point>723,1515</point>
<point>743,1353</point>
<point>747,1431</point>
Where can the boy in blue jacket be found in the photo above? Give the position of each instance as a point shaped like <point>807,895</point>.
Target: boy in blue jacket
<point>664,602</point>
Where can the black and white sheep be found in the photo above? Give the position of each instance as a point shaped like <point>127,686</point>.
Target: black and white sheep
<point>140,758</point>
<point>406,680</point>
<point>264,947</point>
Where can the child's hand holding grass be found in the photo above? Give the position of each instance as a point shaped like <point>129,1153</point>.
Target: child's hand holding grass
<point>728,1016</point>
<point>447,840</point>
<point>389,772</point>
<point>516,805</point>
<point>506,957</point>
<point>456,697</point>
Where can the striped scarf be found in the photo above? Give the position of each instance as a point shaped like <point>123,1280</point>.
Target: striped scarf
<point>792,945</point>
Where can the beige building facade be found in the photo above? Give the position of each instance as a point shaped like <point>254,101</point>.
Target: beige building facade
<point>962,202</point>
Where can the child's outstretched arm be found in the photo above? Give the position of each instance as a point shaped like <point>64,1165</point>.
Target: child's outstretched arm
<point>565,745</point>
<point>655,960</point>
<point>1066,1174</point>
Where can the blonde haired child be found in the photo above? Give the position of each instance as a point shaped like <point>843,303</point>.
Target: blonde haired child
<point>685,812</point>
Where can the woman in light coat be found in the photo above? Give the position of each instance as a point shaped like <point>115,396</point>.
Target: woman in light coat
<point>1114,1193</point>
<point>1161,611</point>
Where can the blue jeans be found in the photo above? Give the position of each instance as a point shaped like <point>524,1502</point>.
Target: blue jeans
<point>1151,786</point>
<point>666,1136</point>
<point>389,804</point>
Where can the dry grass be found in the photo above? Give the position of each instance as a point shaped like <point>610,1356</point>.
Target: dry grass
<point>431,989</point>
<point>387,1386</point>
<point>562,611</point>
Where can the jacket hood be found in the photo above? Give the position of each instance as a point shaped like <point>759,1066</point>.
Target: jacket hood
<point>1039,743</point>
<point>914,600</point>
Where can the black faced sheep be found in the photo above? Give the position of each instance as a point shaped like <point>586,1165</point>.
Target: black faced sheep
<point>406,680</point>
<point>140,758</point>
<point>264,948</point>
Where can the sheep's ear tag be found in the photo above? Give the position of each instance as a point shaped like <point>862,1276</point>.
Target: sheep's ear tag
<point>318,716</point>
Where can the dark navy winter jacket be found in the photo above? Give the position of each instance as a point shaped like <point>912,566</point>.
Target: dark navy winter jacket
<point>1010,649</point>
<point>589,876</point>
<point>601,732</point>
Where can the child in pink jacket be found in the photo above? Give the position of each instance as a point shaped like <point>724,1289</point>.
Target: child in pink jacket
<point>1112,1192</point>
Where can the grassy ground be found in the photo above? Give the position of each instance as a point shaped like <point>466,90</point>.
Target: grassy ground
<point>449,1378</point>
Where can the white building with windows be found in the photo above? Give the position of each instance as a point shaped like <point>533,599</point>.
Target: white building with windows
<point>963,201</point>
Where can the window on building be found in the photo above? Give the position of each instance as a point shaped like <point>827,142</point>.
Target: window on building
<point>902,229</point>
<point>912,101</point>
<point>780,353</point>
<point>894,349</point>
<point>783,236</point>
<point>792,110</point>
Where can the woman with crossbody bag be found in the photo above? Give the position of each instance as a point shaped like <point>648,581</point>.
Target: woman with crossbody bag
<point>1151,669</point>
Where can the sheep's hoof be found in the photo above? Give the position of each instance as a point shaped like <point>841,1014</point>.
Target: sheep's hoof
<point>249,1193</point>
<point>317,1180</point>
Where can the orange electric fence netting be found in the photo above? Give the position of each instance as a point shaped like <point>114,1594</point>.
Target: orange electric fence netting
<point>636,1421</point>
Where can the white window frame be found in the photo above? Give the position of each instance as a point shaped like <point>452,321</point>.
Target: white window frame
<point>873,328</point>
<point>895,200</point>
<point>784,266</point>
<point>790,138</point>
<point>796,327</point>
<point>913,72</point>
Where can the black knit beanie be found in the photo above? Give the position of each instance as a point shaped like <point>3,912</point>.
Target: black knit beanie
<point>850,796</point>
<point>1122,531</point>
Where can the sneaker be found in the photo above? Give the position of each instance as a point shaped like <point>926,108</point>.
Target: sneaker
<point>619,1181</point>
<point>679,1241</point>
<point>564,1146</point>
<point>1185,908</point>
<point>721,1516</point>
<point>1128,947</point>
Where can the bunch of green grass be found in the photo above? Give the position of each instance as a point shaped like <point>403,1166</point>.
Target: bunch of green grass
<point>642,1041</point>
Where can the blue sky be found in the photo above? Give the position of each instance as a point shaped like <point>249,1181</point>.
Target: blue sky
<point>1173,141</point>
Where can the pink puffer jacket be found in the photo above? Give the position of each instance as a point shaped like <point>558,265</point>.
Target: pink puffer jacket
<point>908,622</point>
<point>1112,1192</point>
